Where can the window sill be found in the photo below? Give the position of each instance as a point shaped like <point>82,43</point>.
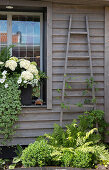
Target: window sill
<point>34,106</point>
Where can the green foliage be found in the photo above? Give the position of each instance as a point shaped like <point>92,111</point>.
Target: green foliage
<point>37,154</point>
<point>17,160</point>
<point>78,146</point>
<point>3,164</point>
<point>75,146</point>
<point>42,75</point>
<point>57,137</point>
<point>5,53</point>
<point>79,104</point>
<point>36,91</point>
<point>88,120</point>
<point>82,159</point>
<point>72,137</point>
<point>10,107</point>
<point>67,158</point>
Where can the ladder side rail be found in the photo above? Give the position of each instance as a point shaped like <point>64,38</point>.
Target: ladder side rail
<point>65,67</point>
<point>90,58</point>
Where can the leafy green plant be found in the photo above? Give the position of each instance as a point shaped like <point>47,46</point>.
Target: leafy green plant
<point>10,107</point>
<point>57,137</point>
<point>78,145</point>
<point>67,158</point>
<point>72,137</point>
<point>82,159</point>
<point>5,53</point>
<point>88,120</point>
<point>37,154</point>
<point>3,164</point>
<point>17,160</point>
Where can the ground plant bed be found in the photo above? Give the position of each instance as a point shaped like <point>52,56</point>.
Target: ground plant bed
<point>79,146</point>
<point>58,168</point>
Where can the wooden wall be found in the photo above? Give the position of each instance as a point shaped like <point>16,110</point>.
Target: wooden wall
<point>36,121</point>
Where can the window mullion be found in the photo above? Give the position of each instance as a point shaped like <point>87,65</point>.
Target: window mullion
<point>9,31</point>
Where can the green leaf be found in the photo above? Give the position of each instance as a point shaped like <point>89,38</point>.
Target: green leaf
<point>16,160</point>
<point>12,166</point>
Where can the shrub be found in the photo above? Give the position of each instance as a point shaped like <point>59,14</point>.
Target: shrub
<point>82,159</point>
<point>37,154</point>
<point>67,158</point>
<point>92,119</point>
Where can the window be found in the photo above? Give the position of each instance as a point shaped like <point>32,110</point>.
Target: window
<point>25,31</point>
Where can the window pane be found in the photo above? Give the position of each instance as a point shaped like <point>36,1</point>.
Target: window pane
<point>3,31</point>
<point>26,37</point>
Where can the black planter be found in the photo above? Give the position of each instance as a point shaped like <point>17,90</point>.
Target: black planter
<point>26,95</point>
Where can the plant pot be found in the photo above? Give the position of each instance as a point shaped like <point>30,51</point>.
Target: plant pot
<point>26,95</point>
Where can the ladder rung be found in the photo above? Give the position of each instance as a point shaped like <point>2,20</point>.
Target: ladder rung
<point>78,57</point>
<point>78,32</point>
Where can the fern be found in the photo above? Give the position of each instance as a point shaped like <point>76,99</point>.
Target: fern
<point>57,137</point>
<point>71,134</point>
<point>82,139</point>
<point>99,151</point>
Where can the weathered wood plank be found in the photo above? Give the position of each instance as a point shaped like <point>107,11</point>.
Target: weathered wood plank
<point>64,24</point>
<point>61,54</point>
<point>78,47</point>
<point>78,17</point>
<point>76,85</point>
<point>77,110</point>
<point>76,63</point>
<point>77,40</point>
<point>37,125</point>
<point>76,79</point>
<point>78,70</point>
<point>77,93</point>
<point>30,133</point>
<point>92,3</point>
<point>107,64</point>
<point>20,141</point>
<point>70,9</point>
<point>49,56</point>
<point>93,32</point>
<point>75,100</point>
<point>39,116</point>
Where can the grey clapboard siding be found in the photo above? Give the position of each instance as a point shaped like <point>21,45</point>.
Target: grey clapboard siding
<point>34,122</point>
<point>79,69</point>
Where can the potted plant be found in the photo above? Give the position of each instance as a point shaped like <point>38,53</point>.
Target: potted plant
<point>25,73</point>
<point>17,79</point>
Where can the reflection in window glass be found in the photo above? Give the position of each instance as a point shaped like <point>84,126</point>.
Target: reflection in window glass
<point>26,37</point>
<point>3,31</point>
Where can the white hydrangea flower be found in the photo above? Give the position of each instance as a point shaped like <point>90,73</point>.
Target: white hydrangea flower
<point>19,80</point>
<point>6,85</point>
<point>1,62</point>
<point>4,77</point>
<point>24,64</point>
<point>26,75</point>
<point>29,83</point>
<point>14,58</point>
<point>25,81</point>
<point>11,64</point>
<point>2,80</point>
<point>4,72</point>
<point>32,68</point>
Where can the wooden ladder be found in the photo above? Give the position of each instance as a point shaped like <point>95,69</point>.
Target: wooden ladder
<point>67,57</point>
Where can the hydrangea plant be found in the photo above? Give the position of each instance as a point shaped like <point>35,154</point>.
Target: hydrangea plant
<point>25,71</point>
